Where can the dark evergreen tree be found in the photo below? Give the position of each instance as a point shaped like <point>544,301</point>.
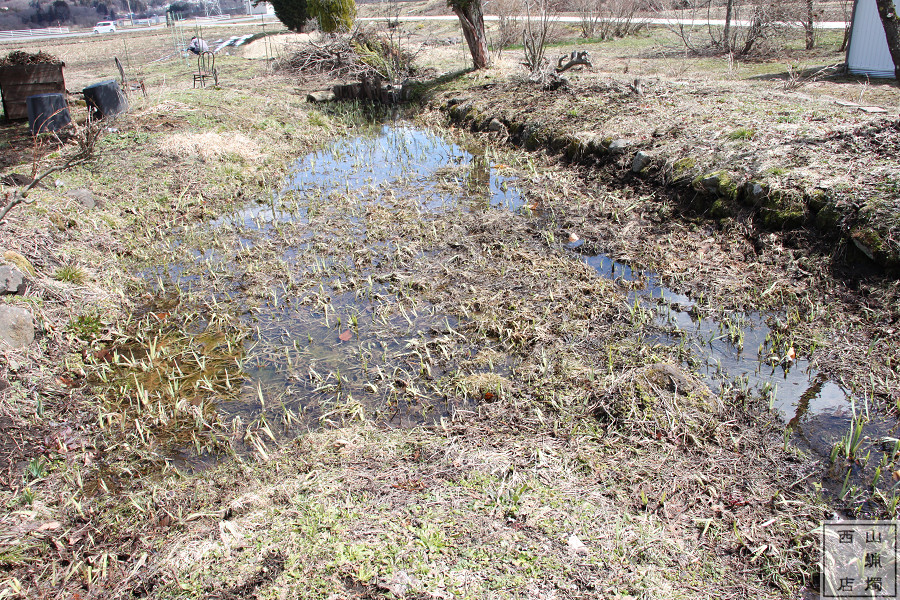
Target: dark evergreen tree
<point>333,15</point>
<point>60,11</point>
<point>293,13</point>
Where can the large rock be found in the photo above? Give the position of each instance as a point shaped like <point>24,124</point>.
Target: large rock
<point>618,146</point>
<point>718,183</point>
<point>496,125</point>
<point>754,193</point>
<point>11,280</point>
<point>641,161</point>
<point>16,327</point>
<point>318,97</point>
<point>85,197</point>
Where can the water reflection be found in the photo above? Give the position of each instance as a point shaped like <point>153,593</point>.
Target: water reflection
<point>740,352</point>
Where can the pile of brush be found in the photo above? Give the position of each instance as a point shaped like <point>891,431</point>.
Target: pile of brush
<point>360,55</point>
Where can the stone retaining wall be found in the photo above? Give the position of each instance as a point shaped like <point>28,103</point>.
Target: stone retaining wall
<point>715,193</point>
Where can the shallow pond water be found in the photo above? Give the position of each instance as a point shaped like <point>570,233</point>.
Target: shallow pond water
<point>738,352</point>
<point>324,355</point>
<point>334,341</point>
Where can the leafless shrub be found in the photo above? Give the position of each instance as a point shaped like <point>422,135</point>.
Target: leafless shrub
<point>768,28</point>
<point>541,18</point>
<point>847,16</point>
<point>765,25</point>
<point>79,146</point>
<point>607,19</point>
<point>509,24</point>
<point>797,76</point>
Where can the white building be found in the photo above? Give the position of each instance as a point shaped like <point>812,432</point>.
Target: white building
<point>867,52</point>
<point>263,8</point>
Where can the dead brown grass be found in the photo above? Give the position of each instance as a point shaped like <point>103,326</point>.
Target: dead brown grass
<point>210,145</point>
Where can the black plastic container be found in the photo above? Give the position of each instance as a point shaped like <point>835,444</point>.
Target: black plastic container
<point>105,99</point>
<point>47,112</point>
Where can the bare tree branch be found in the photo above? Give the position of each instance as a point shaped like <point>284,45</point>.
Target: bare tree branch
<point>577,57</point>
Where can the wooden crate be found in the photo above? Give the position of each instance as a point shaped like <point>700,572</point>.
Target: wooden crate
<point>17,82</point>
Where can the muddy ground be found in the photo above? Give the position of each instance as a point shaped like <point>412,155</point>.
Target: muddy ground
<point>164,438</point>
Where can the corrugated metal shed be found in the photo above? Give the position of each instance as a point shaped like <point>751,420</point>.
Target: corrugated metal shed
<point>867,53</point>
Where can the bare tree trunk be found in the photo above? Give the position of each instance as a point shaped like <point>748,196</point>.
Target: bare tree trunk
<point>810,26</point>
<point>726,37</point>
<point>471,18</point>
<point>888,13</point>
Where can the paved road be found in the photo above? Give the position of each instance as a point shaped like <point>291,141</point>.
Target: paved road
<point>669,22</point>
<point>243,21</point>
<point>235,22</point>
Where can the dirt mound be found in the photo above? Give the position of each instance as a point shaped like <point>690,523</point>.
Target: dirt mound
<point>20,57</point>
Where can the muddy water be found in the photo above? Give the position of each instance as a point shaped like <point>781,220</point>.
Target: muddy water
<point>330,355</point>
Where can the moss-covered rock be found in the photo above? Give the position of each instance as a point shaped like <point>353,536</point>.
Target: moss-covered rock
<point>872,243</point>
<point>641,161</point>
<point>828,218</point>
<point>579,145</point>
<point>867,241</point>
<point>783,219</point>
<point>459,111</point>
<point>534,136</point>
<point>559,141</point>
<point>721,209</point>
<point>783,209</point>
<point>816,199</point>
<point>682,168</point>
<point>753,193</point>
<point>576,149</point>
<point>496,125</point>
<point>718,183</point>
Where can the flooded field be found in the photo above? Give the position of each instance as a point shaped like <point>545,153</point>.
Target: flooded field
<point>281,350</point>
<point>340,329</point>
<point>337,335</point>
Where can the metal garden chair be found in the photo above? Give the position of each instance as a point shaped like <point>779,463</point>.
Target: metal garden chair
<point>206,69</point>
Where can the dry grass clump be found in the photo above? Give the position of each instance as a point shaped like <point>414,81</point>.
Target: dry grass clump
<point>661,398</point>
<point>486,386</point>
<point>211,146</point>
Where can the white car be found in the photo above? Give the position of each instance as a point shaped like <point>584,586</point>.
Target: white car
<point>105,27</point>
